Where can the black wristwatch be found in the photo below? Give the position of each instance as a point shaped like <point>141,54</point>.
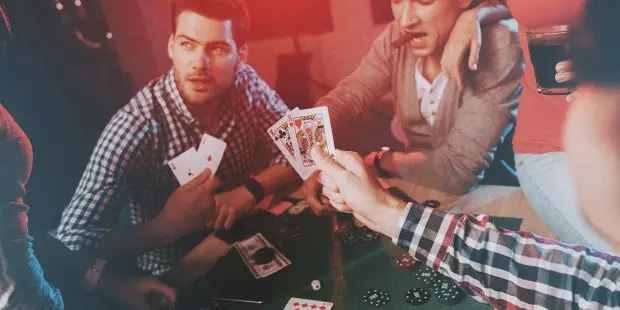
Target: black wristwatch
<point>255,188</point>
<point>377,162</point>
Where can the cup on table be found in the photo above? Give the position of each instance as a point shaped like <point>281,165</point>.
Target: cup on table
<point>548,46</point>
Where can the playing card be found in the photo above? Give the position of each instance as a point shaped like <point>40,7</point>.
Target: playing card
<point>279,133</point>
<point>309,128</point>
<point>185,167</point>
<point>210,152</point>
<point>248,247</point>
<point>307,304</point>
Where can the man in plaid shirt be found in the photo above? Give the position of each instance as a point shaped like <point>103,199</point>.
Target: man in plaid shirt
<point>519,270</point>
<point>209,90</point>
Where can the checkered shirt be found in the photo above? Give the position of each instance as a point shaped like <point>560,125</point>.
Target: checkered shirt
<point>510,270</point>
<point>128,168</point>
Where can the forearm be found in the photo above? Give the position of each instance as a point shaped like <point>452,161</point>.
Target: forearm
<point>275,177</point>
<point>450,170</point>
<point>484,258</point>
<point>135,240</point>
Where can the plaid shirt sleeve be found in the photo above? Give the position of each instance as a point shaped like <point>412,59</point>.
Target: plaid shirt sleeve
<point>510,270</point>
<point>268,108</point>
<point>99,198</point>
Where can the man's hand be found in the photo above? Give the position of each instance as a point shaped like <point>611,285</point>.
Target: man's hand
<point>131,292</point>
<point>351,188</point>
<point>312,194</point>
<point>565,73</point>
<point>189,207</point>
<point>466,37</point>
<point>232,205</point>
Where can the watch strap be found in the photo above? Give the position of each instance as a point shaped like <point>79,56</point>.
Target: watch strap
<point>255,188</point>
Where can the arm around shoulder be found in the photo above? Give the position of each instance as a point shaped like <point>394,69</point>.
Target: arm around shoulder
<point>486,115</point>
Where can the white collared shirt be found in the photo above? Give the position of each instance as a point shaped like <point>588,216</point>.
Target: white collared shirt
<point>429,94</point>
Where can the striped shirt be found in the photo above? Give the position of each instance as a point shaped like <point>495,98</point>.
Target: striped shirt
<point>510,270</point>
<point>128,168</point>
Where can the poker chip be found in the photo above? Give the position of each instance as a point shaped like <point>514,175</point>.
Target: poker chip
<point>431,204</point>
<point>427,275</point>
<point>404,261</point>
<point>342,228</point>
<point>358,236</point>
<point>376,298</point>
<point>418,296</point>
<point>350,237</point>
<point>289,232</point>
<point>447,292</point>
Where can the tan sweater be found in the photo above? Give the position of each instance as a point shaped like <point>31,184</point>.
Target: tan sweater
<point>470,122</point>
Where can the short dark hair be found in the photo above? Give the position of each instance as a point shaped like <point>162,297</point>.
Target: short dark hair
<point>595,44</point>
<point>233,10</point>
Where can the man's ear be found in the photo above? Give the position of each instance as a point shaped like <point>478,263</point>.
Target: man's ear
<point>243,53</point>
<point>170,42</point>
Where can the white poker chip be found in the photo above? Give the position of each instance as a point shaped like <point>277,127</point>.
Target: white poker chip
<point>316,285</point>
<point>417,296</point>
<point>376,298</point>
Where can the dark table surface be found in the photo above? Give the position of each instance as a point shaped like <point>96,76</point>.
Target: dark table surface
<point>345,272</point>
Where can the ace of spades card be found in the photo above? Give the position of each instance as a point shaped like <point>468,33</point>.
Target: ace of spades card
<point>308,128</point>
<point>184,166</point>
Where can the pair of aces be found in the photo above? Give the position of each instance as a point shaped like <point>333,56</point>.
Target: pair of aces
<point>192,162</point>
<point>298,132</point>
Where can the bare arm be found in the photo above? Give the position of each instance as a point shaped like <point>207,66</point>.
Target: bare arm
<point>466,38</point>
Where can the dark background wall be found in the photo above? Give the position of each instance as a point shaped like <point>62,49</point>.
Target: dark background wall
<point>62,89</point>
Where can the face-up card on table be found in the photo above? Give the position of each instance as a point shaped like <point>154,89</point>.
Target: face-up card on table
<point>210,152</point>
<point>307,304</point>
<point>309,128</point>
<point>184,166</point>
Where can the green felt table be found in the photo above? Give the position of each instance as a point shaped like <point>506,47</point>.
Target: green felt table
<point>346,272</point>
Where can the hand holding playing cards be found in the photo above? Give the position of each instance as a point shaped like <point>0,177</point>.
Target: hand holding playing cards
<point>190,206</point>
<point>351,187</point>
<point>232,205</point>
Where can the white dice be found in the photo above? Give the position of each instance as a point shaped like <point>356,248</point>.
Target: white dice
<point>316,285</point>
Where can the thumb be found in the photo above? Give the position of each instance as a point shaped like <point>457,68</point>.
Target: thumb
<point>211,184</point>
<point>339,165</point>
<point>327,164</point>
<point>201,178</point>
